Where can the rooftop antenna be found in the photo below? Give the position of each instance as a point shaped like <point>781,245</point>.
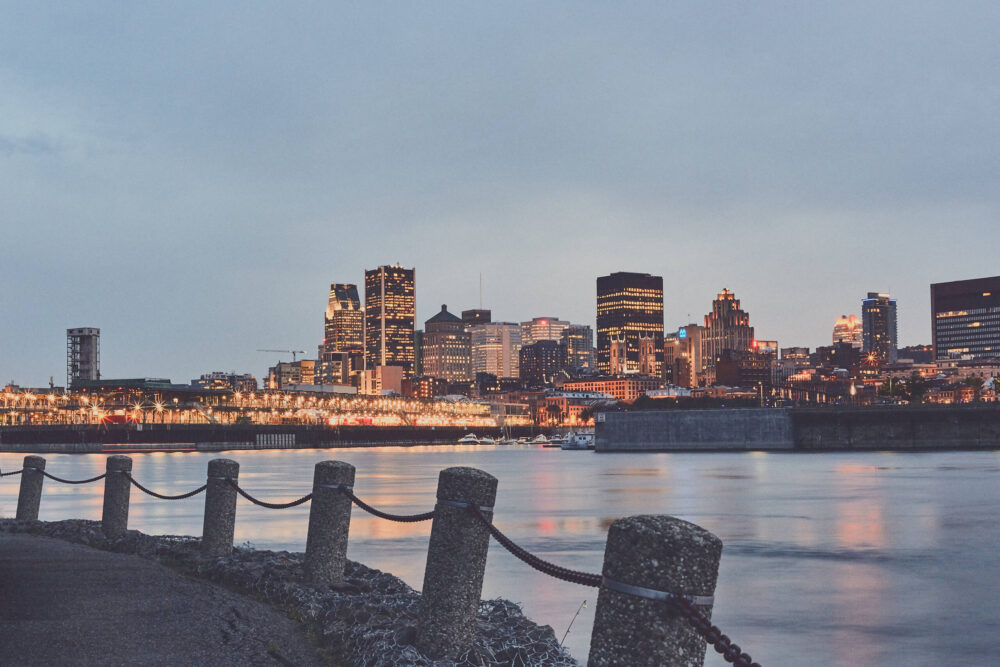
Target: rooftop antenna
<point>480,290</point>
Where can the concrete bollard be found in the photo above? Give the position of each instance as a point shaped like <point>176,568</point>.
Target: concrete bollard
<point>30,495</point>
<point>117,489</point>
<point>655,553</point>
<point>456,562</point>
<point>329,523</point>
<point>220,508</point>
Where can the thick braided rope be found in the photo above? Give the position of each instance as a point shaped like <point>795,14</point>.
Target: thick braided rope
<point>273,506</point>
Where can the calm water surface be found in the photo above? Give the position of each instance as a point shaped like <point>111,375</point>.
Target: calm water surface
<point>829,559</point>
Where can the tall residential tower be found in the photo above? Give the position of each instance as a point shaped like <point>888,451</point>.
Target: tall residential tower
<point>878,322</point>
<point>83,355</point>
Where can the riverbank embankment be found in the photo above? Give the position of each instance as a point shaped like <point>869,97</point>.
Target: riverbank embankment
<point>370,620</point>
<point>893,428</point>
<point>125,438</point>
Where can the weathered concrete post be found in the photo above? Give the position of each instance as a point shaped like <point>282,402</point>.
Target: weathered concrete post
<point>456,562</point>
<point>220,508</point>
<point>652,553</point>
<point>329,523</point>
<point>30,494</point>
<point>117,487</point>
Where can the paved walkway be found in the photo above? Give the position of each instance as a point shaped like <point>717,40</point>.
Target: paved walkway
<point>68,604</point>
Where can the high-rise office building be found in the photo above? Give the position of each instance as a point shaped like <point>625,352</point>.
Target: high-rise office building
<point>685,353</point>
<point>83,355</point>
<point>965,318</point>
<point>341,355</point>
<point>629,305</point>
<point>390,318</point>
<point>540,362</point>
<point>447,348</point>
<point>344,320</point>
<point>727,327</point>
<point>878,321</point>
<point>477,316</point>
<point>495,348</point>
<point>542,328</point>
<point>848,330</point>
<point>578,339</point>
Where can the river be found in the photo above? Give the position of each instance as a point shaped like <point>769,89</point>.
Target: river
<point>830,559</point>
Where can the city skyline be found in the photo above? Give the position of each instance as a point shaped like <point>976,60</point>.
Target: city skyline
<point>163,172</point>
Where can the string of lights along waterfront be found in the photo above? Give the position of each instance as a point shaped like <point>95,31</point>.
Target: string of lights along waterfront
<point>547,371</point>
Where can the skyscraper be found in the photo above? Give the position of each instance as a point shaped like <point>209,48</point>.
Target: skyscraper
<point>83,355</point>
<point>341,355</point>
<point>629,305</point>
<point>390,317</point>
<point>727,327</point>
<point>447,349</point>
<point>344,321</point>
<point>848,330</point>
<point>878,320</point>
<point>542,328</point>
<point>965,318</point>
<point>495,348</point>
<point>578,339</point>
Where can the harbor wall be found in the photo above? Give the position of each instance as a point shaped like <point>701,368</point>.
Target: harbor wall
<point>898,428</point>
<point>84,439</point>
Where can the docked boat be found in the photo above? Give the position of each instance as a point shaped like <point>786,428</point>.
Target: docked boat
<point>579,441</point>
<point>539,439</point>
<point>487,441</point>
<point>469,439</point>
<point>558,439</point>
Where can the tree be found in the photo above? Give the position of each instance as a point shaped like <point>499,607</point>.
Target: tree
<point>555,413</point>
<point>916,387</point>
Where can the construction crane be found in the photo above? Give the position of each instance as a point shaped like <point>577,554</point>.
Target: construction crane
<point>291,352</point>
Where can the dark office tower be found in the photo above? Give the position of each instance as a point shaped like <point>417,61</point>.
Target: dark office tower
<point>578,339</point>
<point>390,317</point>
<point>629,305</point>
<point>540,362</point>
<point>727,327</point>
<point>965,318</point>
<point>878,323</point>
<point>476,316</point>
<point>447,348</point>
<point>83,355</point>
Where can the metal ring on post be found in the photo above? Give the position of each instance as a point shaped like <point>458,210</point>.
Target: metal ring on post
<point>651,594</point>
<point>464,505</point>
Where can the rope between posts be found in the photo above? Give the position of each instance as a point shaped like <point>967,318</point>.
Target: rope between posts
<point>161,496</point>
<point>72,481</point>
<point>730,652</point>
<point>274,506</point>
<point>572,576</point>
<point>400,518</point>
<point>7,474</point>
<point>722,644</point>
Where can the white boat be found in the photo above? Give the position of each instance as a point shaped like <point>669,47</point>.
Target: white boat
<point>469,439</point>
<point>539,439</point>
<point>486,441</point>
<point>579,441</point>
<point>558,439</point>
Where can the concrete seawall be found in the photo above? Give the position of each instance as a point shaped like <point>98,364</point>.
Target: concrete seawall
<point>89,439</point>
<point>801,429</point>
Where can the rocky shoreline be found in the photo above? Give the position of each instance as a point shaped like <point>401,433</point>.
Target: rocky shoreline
<point>370,620</point>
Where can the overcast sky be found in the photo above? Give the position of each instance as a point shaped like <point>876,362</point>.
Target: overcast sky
<point>191,177</point>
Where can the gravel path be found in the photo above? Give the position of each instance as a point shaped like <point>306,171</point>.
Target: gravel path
<point>68,604</point>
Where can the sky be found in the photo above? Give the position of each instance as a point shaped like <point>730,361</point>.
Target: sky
<point>191,177</point>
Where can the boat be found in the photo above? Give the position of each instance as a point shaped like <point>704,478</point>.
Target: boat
<point>558,439</point>
<point>539,439</point>
<point>487,440</point>
<point>579,441</point>
<point>469,439</point>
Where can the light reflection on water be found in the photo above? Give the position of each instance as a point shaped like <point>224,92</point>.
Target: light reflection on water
<point>830,559</point>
